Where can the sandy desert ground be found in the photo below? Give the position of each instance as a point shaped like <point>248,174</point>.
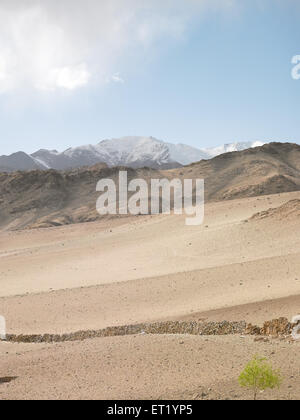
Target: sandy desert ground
<point>146,269</point>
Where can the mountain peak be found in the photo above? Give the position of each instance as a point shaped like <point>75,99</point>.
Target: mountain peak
<point>130,151</point>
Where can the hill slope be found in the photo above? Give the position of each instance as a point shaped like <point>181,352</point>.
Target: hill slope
<point>270,169</point>
<point>289,210</point>
<point>51,198</point>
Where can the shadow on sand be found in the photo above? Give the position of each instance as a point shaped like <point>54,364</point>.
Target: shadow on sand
<point>7,380</point>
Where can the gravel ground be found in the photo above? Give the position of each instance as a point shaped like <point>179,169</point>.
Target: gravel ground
<point>143,367</point>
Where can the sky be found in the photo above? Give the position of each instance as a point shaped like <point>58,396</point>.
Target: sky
<point>199,72</point>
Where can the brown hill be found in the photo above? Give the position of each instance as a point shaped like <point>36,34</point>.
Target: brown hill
<point>270,169</point>
<point>52,198</point>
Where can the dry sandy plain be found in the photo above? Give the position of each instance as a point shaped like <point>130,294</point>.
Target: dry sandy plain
<point>146,269</point>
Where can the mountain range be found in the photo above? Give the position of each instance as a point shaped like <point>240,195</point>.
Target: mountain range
<point>45,198</point>
<point>133,152</point>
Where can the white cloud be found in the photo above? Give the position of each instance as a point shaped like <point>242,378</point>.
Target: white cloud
<point>66,77</point>
<point>67,44</point>
<point>115,78</point>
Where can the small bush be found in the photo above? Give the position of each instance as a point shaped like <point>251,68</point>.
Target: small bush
<point>259,375</point>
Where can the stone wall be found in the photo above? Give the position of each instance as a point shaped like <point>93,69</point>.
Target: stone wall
<point>171,327</point>
<point>276,328</point>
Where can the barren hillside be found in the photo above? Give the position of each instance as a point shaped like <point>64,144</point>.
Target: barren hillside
<point>53,198</point>
<point>270,169</point>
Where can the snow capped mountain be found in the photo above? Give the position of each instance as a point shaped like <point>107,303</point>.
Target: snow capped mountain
<point>133,152</point>
<point>232,147</point>
<point>45,158</point>
<point>137,151</point>
<point>127,151</point>
<point>186,154</point>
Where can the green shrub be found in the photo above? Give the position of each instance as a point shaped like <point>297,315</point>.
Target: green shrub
<point>259,375</point>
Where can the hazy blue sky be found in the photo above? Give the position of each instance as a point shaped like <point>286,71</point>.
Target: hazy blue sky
<point>201,72</point>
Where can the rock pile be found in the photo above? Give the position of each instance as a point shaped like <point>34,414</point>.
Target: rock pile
<point>276,328</point>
